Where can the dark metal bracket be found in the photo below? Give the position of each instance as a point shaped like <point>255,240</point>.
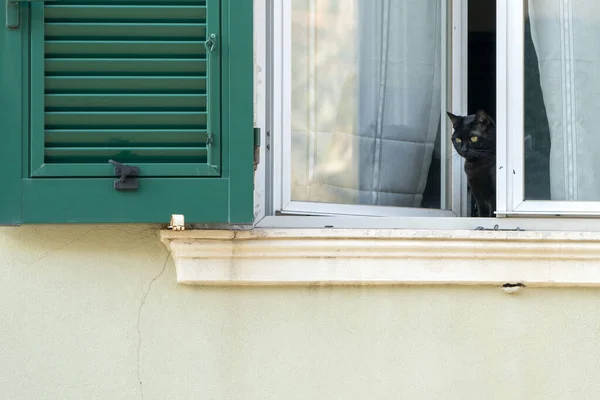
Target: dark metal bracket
<point>497,228</point>
<point>12,14</point>
<point>125,174</point>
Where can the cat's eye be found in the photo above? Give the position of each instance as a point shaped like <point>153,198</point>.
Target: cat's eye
<point>474,139</point>
<point>457,140</point>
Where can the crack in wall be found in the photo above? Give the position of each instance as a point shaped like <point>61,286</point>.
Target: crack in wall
<point>59,248</point>
<point>139,346</point>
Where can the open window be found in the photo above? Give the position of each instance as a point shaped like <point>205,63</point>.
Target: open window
<point>548,62</point>
<point>360,91</point>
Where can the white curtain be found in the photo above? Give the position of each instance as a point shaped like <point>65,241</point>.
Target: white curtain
<point>566,36</point>
<point>365,99</point>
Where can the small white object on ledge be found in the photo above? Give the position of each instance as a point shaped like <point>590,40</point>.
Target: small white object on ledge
<point>177,222</point>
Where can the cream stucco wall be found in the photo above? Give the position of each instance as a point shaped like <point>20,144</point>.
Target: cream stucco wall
<point>70,302</point>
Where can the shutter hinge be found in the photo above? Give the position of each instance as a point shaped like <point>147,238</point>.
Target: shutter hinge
<point>256,148</point>
<point>125,174</point>
<point>13,14</point>
<point>210,140</point>
<point>256,152</point>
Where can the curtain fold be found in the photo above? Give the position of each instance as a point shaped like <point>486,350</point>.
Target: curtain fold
<point>566,36</point>
<point>366,100</point>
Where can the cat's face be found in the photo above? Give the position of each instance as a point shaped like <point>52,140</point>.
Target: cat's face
<point>474,136</point>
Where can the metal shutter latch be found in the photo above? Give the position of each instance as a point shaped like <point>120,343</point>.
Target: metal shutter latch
<point>125,174</point>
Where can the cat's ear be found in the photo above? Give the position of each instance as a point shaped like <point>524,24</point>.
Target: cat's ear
<point>454,118</point>
<point>482,117</point>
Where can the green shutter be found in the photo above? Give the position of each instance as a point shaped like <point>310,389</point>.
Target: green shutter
<point>131,81</point>
<point>126,81</point>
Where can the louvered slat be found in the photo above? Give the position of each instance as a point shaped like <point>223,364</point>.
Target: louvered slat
<point>125,84</point>
<point>133,101</point>
<point>127,80</point>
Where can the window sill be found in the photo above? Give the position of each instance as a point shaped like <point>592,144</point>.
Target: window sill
<point>384,257</point>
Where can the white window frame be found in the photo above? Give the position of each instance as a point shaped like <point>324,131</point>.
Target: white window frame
<point>510,123</point>
<point>454,97</point>
<point>512,211</point>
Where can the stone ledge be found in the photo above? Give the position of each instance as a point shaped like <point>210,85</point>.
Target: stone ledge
<point>384,257</point>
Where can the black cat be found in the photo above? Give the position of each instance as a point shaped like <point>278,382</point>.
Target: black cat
<point>474,139</point>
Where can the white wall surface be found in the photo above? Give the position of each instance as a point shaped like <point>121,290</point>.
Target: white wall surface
<point>70,299</point>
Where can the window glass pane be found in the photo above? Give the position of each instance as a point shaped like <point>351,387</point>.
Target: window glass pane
<point>562,93</point>
<point>366,102</point>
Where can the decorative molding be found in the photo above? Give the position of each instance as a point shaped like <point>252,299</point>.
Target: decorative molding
<point>384,257</point>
